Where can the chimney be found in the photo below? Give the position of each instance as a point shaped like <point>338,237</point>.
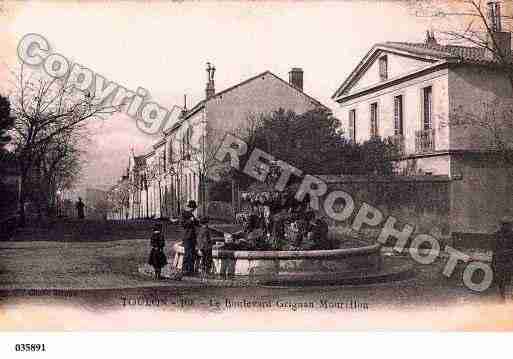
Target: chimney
<point>210,89</point>
<point>296,78</point>
<point>500,43</point>
<point>184,110</point>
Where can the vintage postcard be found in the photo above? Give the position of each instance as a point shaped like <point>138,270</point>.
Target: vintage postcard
<point>313,165</point>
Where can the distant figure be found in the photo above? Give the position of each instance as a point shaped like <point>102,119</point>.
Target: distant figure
<point>157,258</point>
<point>80,208</point>
<point>502,261</point>
<point>205,246</point>
<point>189,223</point>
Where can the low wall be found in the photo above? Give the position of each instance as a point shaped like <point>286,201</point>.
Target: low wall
<point>482,195</point>
<point>220,210</point>
<point>421,201</point>
<point>254,263</point>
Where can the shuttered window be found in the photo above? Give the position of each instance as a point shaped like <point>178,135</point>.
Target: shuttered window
<point>352,125</point>
<point>374,119</point>
<point>398,115</point>
<point>427,107</point>
<point>170,152</point>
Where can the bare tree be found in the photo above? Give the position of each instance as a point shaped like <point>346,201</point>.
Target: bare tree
<point>496,121</point>
<point>249,128</point>
<point>59,165</point>
<point>118,198</point>
<point>199,150</point>
<point>472,22</point>
<point>482,24</point>
<point>44,109</point>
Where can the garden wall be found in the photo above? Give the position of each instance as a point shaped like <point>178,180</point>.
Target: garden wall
<point>220,211</point>
<point>421,201</point>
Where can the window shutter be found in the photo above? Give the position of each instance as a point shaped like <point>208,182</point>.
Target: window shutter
<point>398,115</point>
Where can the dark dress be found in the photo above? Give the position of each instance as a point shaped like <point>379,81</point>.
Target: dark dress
<point>157,258</point>
<point>189,223</point>
<point>205,246</point>
<point>320,235</point>
<point>80,209</point>
<point>502,261</point>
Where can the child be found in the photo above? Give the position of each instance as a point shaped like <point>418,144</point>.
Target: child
<point>205,246</point>
<point>157,257</point>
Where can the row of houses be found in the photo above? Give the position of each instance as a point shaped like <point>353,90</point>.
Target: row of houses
<point>414,93</point>
<point>175,169</point>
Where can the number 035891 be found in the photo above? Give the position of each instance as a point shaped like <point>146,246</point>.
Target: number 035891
<point>30,348</point>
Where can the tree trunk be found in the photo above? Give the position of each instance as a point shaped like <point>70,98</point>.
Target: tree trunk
<point>204,193</point>
<point>233,198</point>
<point>147,203</point>
<point>21,199</point>
<point>160,200</point>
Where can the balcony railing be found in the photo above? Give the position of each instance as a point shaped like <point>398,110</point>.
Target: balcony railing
<point>398,141</point>
<point>425,141</point>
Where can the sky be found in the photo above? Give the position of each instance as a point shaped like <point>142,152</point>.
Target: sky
<point>164,46</point>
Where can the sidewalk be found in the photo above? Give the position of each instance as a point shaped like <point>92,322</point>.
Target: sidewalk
<point>474,254</point>
<point>60,265</point>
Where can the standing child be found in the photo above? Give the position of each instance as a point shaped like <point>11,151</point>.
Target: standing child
<point>157,256</point>
<point>205,246</point>
<point>502,260</point>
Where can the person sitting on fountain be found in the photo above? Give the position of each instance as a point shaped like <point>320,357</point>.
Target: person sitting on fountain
<point>319,235</point>
<point>254,218</point>
<point>157,256</point>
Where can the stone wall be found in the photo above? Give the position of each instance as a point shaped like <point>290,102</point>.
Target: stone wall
<point>482,193</point>
<point>483,93</point>
<point>421,201</point>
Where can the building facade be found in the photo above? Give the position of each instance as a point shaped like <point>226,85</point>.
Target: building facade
<point>175,170</point>
<point>439,104</point>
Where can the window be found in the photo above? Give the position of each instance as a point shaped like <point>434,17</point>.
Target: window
<point>186,187</point>
<point>194,186</point>
<point>186,144</point>
<point>170,151</point>
<point>189,138</point>
<point>398,115</point>
<point>352,125</point>
<point>427,107</point>
<point>383,68</point>
<point>374,119</point>
<point>190,186</point>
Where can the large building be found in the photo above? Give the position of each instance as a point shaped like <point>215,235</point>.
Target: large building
<point>439,104</point>
<point>174,171</point>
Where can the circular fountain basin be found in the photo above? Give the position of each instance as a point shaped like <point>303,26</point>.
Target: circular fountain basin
<point>229,263</point>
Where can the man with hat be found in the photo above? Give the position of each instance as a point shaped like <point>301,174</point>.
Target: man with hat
<point>502,261</point>
<point>189,223</point>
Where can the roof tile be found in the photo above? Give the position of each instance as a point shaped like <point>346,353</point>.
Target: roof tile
<point>467,54</point>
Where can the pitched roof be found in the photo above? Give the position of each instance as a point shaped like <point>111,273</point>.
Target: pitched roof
<point>466,54</point>
<point>201,104</point>
<point>430,52</point>
<point>317,103</point>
